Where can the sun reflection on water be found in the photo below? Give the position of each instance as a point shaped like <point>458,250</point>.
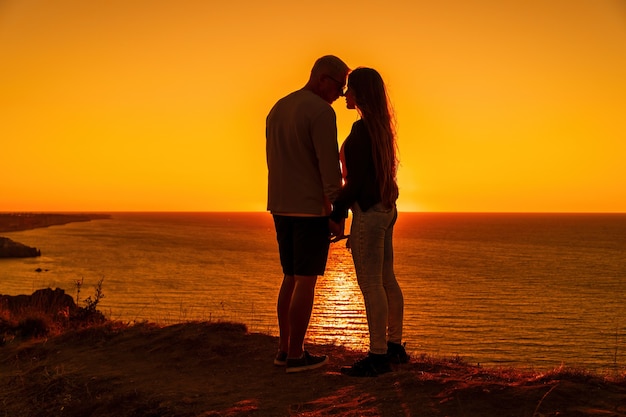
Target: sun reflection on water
<point>339,314</point>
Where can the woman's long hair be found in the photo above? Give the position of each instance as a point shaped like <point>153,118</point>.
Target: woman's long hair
<point>375,109</point>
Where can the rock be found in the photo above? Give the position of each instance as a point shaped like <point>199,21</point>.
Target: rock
<point>11,249</point>
<point>49,301</point>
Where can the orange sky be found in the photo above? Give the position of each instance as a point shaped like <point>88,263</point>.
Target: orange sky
<point>157,105</point>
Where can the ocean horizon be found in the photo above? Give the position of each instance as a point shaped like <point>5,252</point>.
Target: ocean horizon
<point>534,290</point>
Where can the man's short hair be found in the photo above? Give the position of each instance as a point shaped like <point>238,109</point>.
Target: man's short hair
<point>330,65</point>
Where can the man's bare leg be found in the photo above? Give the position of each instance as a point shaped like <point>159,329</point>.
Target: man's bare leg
<point>300,310</point>
<point>283,305</point>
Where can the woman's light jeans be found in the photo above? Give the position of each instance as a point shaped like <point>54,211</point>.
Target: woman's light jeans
<point>371,239</point>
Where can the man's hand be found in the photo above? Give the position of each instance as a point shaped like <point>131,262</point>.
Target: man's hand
<point>336,230</point>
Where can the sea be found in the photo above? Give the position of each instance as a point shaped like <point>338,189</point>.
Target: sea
<point>524,290</point>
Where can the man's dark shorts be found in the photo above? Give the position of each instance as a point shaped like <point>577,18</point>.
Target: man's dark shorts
<point>303,244</point>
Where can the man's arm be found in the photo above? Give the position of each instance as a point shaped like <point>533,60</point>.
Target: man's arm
<point>324,136</point>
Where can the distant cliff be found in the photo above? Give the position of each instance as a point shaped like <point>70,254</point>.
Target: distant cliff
<point>13,222</point>
<point>11,249</point>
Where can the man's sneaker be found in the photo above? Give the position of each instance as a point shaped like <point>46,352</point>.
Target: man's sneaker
<point>306,362</point>
<point>370,366</point>
<point>396,353</point>
<point>281,358</point>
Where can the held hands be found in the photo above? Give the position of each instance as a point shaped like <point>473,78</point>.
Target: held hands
<point>336,230</point>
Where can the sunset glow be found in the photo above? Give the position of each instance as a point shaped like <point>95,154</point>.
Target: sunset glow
<point>161,106</point>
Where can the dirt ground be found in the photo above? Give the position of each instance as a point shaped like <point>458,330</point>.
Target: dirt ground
<point>219,369</point>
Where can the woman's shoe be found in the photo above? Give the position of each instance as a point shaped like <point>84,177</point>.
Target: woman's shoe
<point>396,353</point>
<point>370,366</point>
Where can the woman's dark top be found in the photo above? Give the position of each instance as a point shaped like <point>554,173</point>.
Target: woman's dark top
<point>361,185</point>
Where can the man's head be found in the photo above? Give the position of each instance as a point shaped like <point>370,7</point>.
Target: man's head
<point>328,78</point>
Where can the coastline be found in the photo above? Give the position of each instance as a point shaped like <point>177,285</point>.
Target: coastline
<point>15,222</point>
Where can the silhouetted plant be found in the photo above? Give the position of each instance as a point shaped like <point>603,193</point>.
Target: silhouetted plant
<point>90,313</point>
<point>79,284</point>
